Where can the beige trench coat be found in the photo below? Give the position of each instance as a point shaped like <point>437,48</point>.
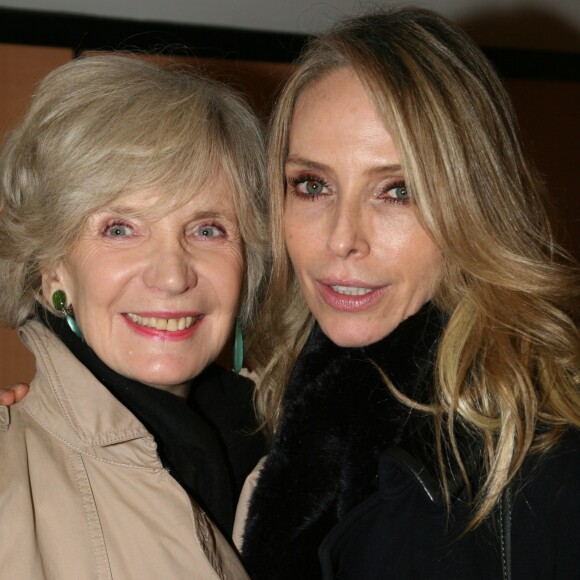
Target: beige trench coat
<point>83,494</point>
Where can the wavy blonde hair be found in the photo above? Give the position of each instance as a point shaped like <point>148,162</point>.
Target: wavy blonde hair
<point>103,126</point>
<point>507,364</point>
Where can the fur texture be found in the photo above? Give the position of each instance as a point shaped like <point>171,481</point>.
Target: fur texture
<point>338,418</point>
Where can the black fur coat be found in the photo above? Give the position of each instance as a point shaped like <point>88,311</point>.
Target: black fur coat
<point>338,418</point>
<point>348,490</point>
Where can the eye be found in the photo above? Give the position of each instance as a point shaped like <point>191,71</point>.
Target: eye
<point>396,193</point>
<point>307,186</point>
<point>209,231</point>
<point>312,187</point>
<point>118,230</point>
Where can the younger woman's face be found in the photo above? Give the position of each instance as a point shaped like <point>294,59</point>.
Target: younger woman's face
<point>363,260</point>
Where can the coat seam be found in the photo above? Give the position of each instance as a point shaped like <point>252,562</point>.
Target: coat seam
<point>54,380</point>
<point>93,521</point>
<point>84,451</point>
<point>43,355</point>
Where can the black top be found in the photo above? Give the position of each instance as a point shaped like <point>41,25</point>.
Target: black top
<point>209,443</point>
<point>399,532</point>
<point>349,489</point>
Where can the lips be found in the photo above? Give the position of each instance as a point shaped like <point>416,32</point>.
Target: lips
<point>351,290</point>
<point>168,324</point>
<point>350,296</point>
<point>165,326</point>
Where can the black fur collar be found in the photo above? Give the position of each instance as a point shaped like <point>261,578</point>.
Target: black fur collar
<point>338,418</point>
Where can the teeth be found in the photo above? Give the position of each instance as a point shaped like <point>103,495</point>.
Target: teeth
<point>169,324</point>
<point>351,291</point>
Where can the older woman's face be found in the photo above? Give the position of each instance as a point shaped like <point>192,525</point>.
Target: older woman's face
<point>156,298</point>
<point>363,260</point>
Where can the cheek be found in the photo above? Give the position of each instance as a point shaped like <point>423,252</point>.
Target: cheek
<point>97,285</point>
<point>228,279</point>
<point>297,241</point>
<point>290,219</point>
<point>409,250</point>
<point>298,256</point>
<point>79,287</point>
<point>95,291</point>
<point>427,260</point>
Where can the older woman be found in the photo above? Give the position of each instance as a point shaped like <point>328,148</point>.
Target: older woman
<point>131,240</point>
<point>422,320</point>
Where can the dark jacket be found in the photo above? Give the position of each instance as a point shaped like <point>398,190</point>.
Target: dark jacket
<point>334,496</point>
<point>400,532</point>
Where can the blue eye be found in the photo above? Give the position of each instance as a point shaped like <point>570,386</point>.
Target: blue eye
<point>396,193</point>
<point>400,192</point>
<point>307,186</point>
<point>119,231</point>
<point>209,232</point>
<point>313,187</point>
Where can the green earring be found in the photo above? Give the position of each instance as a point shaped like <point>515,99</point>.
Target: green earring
<point>59,303</point>
<point>238,348</point>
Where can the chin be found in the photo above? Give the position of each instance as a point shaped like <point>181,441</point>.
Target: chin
<point>352,336</point>
<point>168,370</point>
<point>162,379</point>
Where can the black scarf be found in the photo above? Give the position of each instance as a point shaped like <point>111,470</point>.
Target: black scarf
<point>338,418</point>
<point>208,443</point>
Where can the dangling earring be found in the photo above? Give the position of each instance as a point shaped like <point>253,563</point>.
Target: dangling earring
<point>59,303</point>
<point>238,348</point>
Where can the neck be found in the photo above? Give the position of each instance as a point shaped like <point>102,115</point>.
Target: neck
<point>181,391</point>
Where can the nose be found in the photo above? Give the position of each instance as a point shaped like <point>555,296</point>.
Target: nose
<point>348,235</point>
<point>170,269</point>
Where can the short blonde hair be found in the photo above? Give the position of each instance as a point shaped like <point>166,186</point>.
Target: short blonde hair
<point>508,360</point>
<point>101,126</point>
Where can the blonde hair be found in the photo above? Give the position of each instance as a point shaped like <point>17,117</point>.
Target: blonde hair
<point>507,364</point>
<point>102,126</point>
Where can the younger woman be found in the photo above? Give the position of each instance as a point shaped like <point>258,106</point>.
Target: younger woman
<point>423,388</point>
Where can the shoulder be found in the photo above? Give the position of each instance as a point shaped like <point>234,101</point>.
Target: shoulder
<point>556,471</point>
<point>545,527</point>
<point>546,510</point>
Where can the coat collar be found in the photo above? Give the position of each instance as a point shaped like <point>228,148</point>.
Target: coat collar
<point>76,406</point>
<point>205,442</point>
<point>338,418</point>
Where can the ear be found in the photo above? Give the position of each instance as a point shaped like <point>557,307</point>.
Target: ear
<point>52,280</point>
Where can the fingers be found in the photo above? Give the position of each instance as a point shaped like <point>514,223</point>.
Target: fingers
<point>13,393</point>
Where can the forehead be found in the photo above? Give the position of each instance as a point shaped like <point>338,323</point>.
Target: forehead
<point>214,195</point>
<point>334,117</point>
<point>340,87</point>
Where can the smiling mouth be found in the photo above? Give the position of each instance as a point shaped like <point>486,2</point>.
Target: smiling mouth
<point>168,324</point>
<point>351,290</point>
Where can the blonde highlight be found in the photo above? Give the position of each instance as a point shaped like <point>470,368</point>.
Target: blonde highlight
<point>507,365</point>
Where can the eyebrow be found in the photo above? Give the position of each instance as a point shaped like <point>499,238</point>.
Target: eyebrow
<point>208,215</point>
<point>121,210</point>
<point>309,164</point>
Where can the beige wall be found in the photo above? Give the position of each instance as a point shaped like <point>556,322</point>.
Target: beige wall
<point>21,67</point>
